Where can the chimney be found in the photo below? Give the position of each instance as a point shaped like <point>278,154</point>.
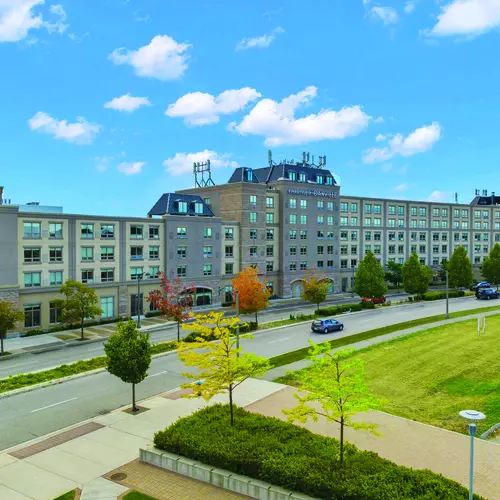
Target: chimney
<point>1,195</point>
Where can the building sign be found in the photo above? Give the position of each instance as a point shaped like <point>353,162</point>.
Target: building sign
<point>313,192</point>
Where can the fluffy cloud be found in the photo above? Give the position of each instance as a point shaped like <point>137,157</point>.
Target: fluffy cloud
<point>81,132</point>
<point>259,42</point>
<point>467,17</point>
<point>386,14</point>
<point>127,103</point>
<point>402,187</point>
<point>277,123</point>
<point>381,137</point>
<point>409,6</point>
<point>163,58</point>
<point>439,196</point>
<point>182,163</point>
<point>420,140</point>
<point>199,108</point>
<point>18,18</point>
<point>128,168</point>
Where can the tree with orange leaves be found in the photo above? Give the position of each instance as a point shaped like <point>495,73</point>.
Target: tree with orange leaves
<point>253,295</point>
<point>174,300</point>
<point>316,287</point>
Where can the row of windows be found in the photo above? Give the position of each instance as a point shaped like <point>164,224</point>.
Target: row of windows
<point>320,219</point>
<point>302,177</point>
<point>320,264</point>
<point>252,217</point>
<point>293,233</point>
<point>182,251</point>
<point>207,232</point>
<point>269,201</point>
<point>320,204</point>
<point>320,250</point>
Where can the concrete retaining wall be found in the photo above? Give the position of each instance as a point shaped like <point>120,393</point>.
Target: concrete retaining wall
<point>222,478</point>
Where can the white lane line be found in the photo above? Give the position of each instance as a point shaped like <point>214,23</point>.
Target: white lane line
<point>279,340</point>
<point>55,404</point>
<point>159,373</point>
<point>22,364</point>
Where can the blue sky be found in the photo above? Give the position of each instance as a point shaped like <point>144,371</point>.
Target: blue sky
<point>104,104</point>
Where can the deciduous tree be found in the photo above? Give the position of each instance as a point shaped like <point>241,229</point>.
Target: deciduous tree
<point>491,265</point>
<point>128,354</point>
<point>335,381</point>
<point>370,278</point>
<point>222,365</point>
<point>253,295</point>
<point>416,277</point>
<point>441,272</point>
<point>394,273</point>
<point>174,300</point>
<point>10,315</point>
<point>460,269</point>
<point>316,287</point>
<point>80,303</point>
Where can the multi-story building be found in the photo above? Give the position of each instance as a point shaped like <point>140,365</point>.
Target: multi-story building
<point>283,219</point>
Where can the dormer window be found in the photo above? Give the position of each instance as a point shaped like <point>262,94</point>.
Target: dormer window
<point>292,175</point>
<point>182,207</point>
<point>198,207</point>
<point>249,175</point>
<point>319,179</point>
<point>329,181</point>
<point>302,177</point>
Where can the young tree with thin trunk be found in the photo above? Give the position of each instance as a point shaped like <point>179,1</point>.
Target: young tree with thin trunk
<point>174,300</point>
<point>316,287</point>
<point>370,278</point>
<point>394,274</point>
<point>416,277</point>
<point>253,295</point>
<point>335,381</point>
<point>128,354</point>
<point>491,265</point>
<point>460,269</point>
<point>10,315</point>
<point>222,365</point>
<point>80,303</point>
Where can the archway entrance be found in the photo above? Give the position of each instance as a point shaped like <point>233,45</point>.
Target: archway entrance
<point>297,289</point>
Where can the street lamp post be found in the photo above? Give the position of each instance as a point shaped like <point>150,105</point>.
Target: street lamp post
<point>139,301</point>
<point>472,416</point>
<point>447,308</point>
<point>237,304</point>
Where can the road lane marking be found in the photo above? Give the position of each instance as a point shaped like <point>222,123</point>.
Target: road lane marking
<point>22,364</point>
<point>159,373</point>
<point>52,405</point>
<point>279,340</point>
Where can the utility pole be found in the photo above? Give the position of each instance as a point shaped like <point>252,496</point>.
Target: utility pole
<point>447,305</point>
<point>237,298</point>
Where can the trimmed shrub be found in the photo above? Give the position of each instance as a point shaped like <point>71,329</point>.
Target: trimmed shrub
<point>429,296</point>
<point>292,457</point>
<point>367,305</point>
<point>333,310</point>
<point>32,333</point>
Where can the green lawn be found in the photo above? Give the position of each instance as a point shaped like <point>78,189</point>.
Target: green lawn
<point>67,496</point>
<point>135,495</point>
<point>430,376</point>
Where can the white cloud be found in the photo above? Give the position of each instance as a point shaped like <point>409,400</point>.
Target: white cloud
<point>386,14</point>
<point>18,18</point>
<point>276,121</point>
<point>81,132</point>
<point>182,163</point>
<point>199,108</point>
<point>419,141</point>
<point>402,187</point>
<point>409,6</point>
<point>467,17</point>
<point>381,137</point>
<point>130,168</point>
<point>386,167</point>
<point>141,17</point>
<point>163,58</point>
<point>259,41</point>
<point>439,196</point>
<point>127,103</point>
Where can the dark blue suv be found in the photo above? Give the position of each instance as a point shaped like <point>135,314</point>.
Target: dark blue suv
<point>487,294</point>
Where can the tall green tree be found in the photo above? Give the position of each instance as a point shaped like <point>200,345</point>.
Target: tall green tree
<point>336,382</point>
<point>394,274</point>
<point>441,272</point>
<point>10,315</point>
<point>370,278</point>
<point>79,304</point>
<point>491,265</point>
<point>460,269</point>
<point>416,277</point>
<point>316,287</point>
<point>128,354</point>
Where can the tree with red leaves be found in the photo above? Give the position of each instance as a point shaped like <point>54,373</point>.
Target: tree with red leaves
<point>174,300</point>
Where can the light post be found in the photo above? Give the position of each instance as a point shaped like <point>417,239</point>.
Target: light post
<point>447,308</point>
<point>472,416</point>
<point>139,301</point>
<point>237,304</point>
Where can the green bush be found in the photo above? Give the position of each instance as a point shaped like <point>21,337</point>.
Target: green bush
<point>367,305</point>
<point>429,296</point>
<point>292,457</point>
<point>32,333</point>
<point>152,314</point>
<point>250,326</point>
<point>333,310</point>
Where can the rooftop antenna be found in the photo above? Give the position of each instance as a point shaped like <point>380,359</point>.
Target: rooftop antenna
<point>202,174</point>
<point>308,158</point>
<point>270,157</point>
<point>456,197</point>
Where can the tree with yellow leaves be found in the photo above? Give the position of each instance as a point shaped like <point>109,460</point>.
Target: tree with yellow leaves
<point>221,364</point>
<point>316,287</point>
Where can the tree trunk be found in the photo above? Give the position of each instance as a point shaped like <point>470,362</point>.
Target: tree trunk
<point>1,343</point>
<point>317,306</point>
<point>178,331</point>
<point>341,440</point>
<point>134,409</point>
<point>231,410</point>
<point>256,320</point>
<point>81,329</point>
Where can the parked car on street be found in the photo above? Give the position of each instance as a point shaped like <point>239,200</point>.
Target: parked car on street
<point>376,300</point>
<point>326,325</point>
<point>479,284</point>
<point>487,294</point>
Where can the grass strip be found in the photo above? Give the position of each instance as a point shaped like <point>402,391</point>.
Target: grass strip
<point>299,354</point>
<point>67,496</point>
<point>137,495</point>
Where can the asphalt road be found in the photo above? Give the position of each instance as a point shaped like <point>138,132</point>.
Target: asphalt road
<point>35,413</point>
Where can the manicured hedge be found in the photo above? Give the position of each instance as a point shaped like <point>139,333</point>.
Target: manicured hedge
<point>333,310</point>
<point>429,296</point>
<point>292,457</point>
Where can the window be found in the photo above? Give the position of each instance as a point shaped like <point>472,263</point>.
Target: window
<point>249,175</point>
<point>154,233</point>
<point>422,211</point>
<point>444,212</point>
<point>229,268</point>
<point>320,264</point>
<point>181,271</point>
<point>344,235</point>
<point>32,315</point>
<point>55,254</point>
<point>354,221</point>
<point>293,234</point>
<point>269,202</point>
<point>292,203</point>
<point>136,273</point>
<point>401,236</point>
<point>253,200</point>
<point>303,219</point>
<point>54,313</point>
<point>303,250</point>
<point>435,248</point>
<point>321,205</point>
<point>392,210</point>
<point>182,207</point>
<point>269,218</point>
<point>392,236</point>
<point>444,224</point>
<point>198,207</point>
<point>207,251</point>
<point>229,252</point>
<point>293,250</point>
<point>344,206</point>
<point>292,175</point>
<point>377,209</point>
<point>107,231</point>
<point>229,233</point>
<point>392,249</point>
<point>444,248</point>
<point>421,223</point>
<point>329,249</point>
<point>87,254</point>
<point>435,223</point>
<point>253,234</point>
<point>329,205</point>
<point>303,204</point>
<point>293,218</point>
<point>252,217</point>
<point>181,232</point>
<point>435,212</point>
<point>377,249</point>
<point>330,220</point>
<point>329,235</point>
<point>107,275</point>
<point>465,225</point>
<point>292,265</point>
<point>87,231</point>
<point>107,253</point>
<point>401,249</point>
<point>207,269</point>
<point>303,235</point>
<point>319,179</point>
<point>343,264</point>
<point>108,307</point>
<point>391,222</point>
<point>153,272</point>
<point>32,230</point>
<point>377,221</point>
<point>343,221</point>
<point>32,255</point>
<point>422,236</point>
<point>182,252</point>
<point>270,250</point>
<point>343,249</point>
<point>136,253</point>
<point>377,236</point>
<point>321,219</point>
<point>269,234</point>
<point>303,265</point>
<point>354,208</point>
<point>269,266</point>
<point>136,232</point>
<point>413,211</point>
<point>88,275</point>
<point>329,264</point>
<point>154,253</point>
<point>465,212</point>
<point>55,230</point>
<point>456,212</point>
<point>422,249</point>
<point>401,210</point>
<point>368,221</point>
<point>55,278</point>
<point>320,250</point>
<point>253,251</point>
<point>302,177</point>
<point>207,233</point>
<point>368,208</point>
